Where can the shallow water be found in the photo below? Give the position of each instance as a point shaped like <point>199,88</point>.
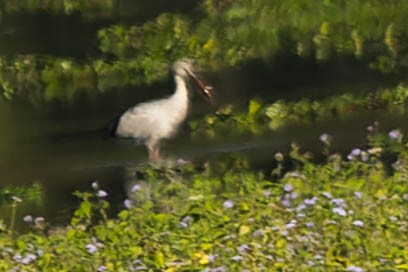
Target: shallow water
<point>68,154</point>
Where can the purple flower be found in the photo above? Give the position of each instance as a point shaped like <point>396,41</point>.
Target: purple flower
<point>339,211</point>
<point>102,268</point>
<point>181,162</point>
<point>101,194</point>
<point>243,247</point>
<point>136,188</point>
<point>91,248</point>
<point>228,204</point>
<point>291,225</point>
<point>288,188</point>
<point>358,223</point>
<point>285,202</point>
<point>309,224</point>
<point>395,134</point>
<point>310,201</point>
<point>339,202</point>
<point>356,152</point>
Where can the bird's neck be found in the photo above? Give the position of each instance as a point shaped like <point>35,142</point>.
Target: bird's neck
<point>181,92</point>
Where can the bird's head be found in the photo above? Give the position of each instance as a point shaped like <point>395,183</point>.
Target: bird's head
<point>185,69</point>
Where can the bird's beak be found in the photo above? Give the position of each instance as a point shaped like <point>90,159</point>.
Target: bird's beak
<point>206,91</point>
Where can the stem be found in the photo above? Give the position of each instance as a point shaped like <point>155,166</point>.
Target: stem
<point>12,217</point>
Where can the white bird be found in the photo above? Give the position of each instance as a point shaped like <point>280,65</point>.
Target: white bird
<point>154,121</point>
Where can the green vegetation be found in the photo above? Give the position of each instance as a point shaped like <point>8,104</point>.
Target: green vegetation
<point>259,118</point>
<point>309,212</point>
<point>226,33</point>
<point>342,214</point>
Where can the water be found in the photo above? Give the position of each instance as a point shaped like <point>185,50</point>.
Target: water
<point>61,145</point>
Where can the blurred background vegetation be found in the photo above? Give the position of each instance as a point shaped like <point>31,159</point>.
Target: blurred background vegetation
<point>59,49</point>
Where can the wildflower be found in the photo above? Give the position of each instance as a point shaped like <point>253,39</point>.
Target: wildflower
<point>358,223</point>
<point>212,257</point>
<point>185,221</point>
<point>318,257</point>
<point>16,199</point>
<point>370,128</point>
<point>228,204</point>
<point>219,269</point>
<point>310,263</point>
<point>28,218</point>
<point>285,202</point>
<point>339,211</point>
<point>236,258</point>
<point>310,201</point>
<point>375,151</point>
<point>101,194</point>
<point>356,152</point>
<point>28,258</point>
<point>339,202</point>
<point>128,203</point>
<point>181,162</point>
<point>288,188</point>
<point>102,268</point>
<point>243,247</point>
<point>95,185</point>
<point>327,195</point>
<point>300,207</point>
<point>136,188</point>
<point>279,156</point>
<point>353,268</point>
<point>39,222</point>
<point>325,138</point>
<point>395,134</point>
<point>358,194</point>
<point>293,195</point>
<point>309,224</point>
<point>91,248</point>
<point>267,194</point>
<point>365,156</point>
<point>291,225</point>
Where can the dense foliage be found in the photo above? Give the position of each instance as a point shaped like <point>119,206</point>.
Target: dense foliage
<point>344,214</point>
<point>219,34</point>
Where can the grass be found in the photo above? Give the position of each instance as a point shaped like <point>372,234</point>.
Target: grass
<point>345,214</point>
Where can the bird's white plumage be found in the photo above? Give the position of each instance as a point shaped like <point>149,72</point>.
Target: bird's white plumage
<point>156,120</point>
<point>159,119</point>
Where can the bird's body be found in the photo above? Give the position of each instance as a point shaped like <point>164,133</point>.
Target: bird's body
<point>160,119</point>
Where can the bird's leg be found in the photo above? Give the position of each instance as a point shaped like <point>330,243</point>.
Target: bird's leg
<point>154,152</point>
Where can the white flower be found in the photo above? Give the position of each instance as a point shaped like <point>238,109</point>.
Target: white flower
<point>339,211</point>
<point>28,218</point>
<point>236,258</point>
<point>327,195</point>
<point>101,194</point>
<point>325,138</point>
<point>358,223</point>
<point>353,268</point>
<point>128,203</point>
<point>358,194</point>
<point>95,185</point>
<point>228,204</point>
